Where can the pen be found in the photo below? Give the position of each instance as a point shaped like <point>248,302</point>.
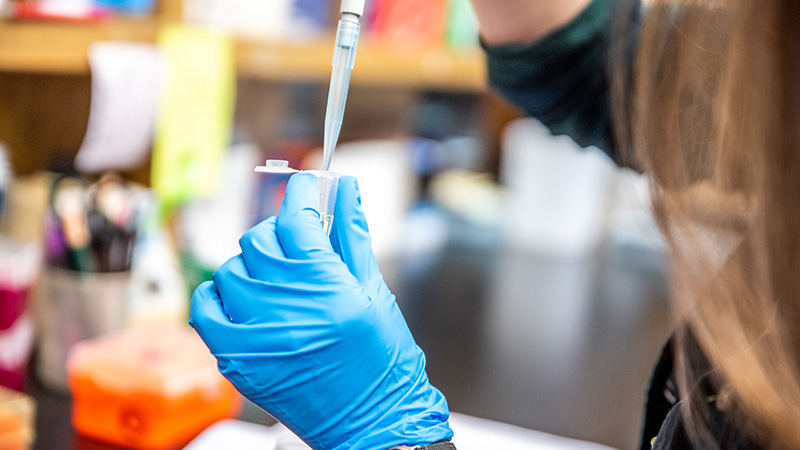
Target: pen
<point>93,228</point>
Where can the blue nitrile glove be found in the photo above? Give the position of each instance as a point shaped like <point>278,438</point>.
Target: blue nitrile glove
<point>313,335</point>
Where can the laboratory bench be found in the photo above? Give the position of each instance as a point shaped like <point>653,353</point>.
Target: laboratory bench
<point>558,344</point>
<point>554,343</point>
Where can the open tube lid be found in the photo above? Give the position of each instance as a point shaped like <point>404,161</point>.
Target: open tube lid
<point>276,166</point>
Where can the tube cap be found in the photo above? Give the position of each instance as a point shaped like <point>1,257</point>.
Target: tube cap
<point>276,166</point>
<point>353,7</point>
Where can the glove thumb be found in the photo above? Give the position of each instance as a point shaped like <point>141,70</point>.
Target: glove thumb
<point>350,236</point>
<point>298,225</point>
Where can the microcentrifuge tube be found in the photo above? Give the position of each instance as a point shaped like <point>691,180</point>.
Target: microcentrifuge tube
<point>328,186</point>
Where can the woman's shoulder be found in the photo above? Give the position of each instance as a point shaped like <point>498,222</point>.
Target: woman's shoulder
<point>664,426</point>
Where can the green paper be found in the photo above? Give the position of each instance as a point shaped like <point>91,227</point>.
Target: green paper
<point>462,25</point>
<point>196,115</point>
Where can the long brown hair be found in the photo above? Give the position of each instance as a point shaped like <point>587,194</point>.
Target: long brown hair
<point>715,122</point>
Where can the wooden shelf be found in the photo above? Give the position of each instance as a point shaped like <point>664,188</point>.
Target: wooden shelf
<point>440,69</point>
<point>62,49</point>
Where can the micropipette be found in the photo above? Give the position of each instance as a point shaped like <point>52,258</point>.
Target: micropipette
<point>344,56</point>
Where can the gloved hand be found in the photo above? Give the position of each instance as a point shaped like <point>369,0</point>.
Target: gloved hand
<point>305,327</point>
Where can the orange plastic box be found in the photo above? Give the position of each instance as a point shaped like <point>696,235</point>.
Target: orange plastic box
<point>147,389</point>
<point>16,420</point>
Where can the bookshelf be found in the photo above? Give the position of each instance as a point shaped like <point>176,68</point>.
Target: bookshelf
<point>45,83</point>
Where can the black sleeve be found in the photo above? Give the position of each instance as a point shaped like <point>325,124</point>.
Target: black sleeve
<point>662,397</point>
<point>664,429</point>
<point>563,79</point>
<point>441,445</point>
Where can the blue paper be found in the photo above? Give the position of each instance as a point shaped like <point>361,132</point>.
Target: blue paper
<point>128,6</point>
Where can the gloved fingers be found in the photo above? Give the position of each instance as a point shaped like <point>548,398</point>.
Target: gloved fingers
<point>298,225</point>
<point>208,318</point>
<point>287,294</point>
<point>350,236</point>
<point>224,329</point>
<point>246,299</point>
<point>259,245</point>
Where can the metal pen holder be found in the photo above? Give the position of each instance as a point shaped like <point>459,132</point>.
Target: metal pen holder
<point>71,307</point>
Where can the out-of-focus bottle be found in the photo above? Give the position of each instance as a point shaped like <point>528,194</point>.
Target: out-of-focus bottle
<point>5,164</point>
<point>19,268</point>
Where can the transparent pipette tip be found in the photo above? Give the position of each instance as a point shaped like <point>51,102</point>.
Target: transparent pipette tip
<point>328,187</point>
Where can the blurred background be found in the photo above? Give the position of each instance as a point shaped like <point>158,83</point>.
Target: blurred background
<point>529,270</point>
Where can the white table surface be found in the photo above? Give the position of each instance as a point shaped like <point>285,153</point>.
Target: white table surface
<point>471,433</point>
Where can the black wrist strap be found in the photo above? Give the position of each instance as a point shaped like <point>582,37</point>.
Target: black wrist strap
<point>441,445</point>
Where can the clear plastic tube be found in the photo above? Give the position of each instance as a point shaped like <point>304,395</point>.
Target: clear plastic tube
<point>328,187</point>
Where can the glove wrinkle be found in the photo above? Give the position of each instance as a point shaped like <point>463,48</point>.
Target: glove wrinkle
<point>262,240</point>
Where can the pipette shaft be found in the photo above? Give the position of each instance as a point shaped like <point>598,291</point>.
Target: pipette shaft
<point>344,56</point>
